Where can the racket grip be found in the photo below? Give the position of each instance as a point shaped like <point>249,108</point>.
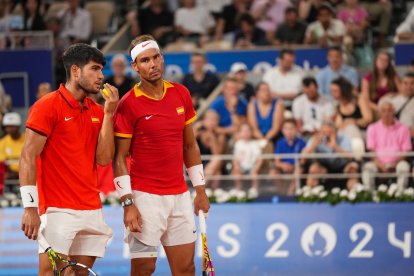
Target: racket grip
<point>202,221</point>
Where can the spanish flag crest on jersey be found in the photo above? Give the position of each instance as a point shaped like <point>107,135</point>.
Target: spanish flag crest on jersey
<point>180,110</point>
<point>95,119</point>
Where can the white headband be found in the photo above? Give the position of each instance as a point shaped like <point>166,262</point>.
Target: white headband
<point>143,46</point>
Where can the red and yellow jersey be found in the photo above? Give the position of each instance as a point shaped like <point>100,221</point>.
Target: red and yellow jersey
<point>156,129</point>
<point>66,169</point>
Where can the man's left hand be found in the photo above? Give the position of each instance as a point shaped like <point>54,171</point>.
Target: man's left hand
<point>201,201</point>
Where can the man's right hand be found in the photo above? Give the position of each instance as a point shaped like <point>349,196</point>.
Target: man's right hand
<point>132,218</point>
<point>31,223</point>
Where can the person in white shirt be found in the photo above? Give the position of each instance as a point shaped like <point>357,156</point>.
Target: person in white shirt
<point>285,79</point>
<point>311,108</point>
<point>76,23</point>
<point>405,31</point>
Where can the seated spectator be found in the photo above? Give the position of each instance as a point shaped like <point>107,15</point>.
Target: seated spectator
<point>291,143</point>
<point>43,89</point>
<point>311,108</point>
<point>387,135</point>
<point>292,31</point>
<point>248,35</point>
<point>239,71</point>
<point>199,81</point>
<point>33,19</point>
<point>156,20</point>
<point>308,10</point>
<point>227,20</point>
<point>193,22</point>
<point>355,18</point>
<point>12,144</point>
<point>247,159</point>
<point>380,13</point>
<point>76,23</point>
<point>327,141</point>
<point>403,102</point>
<point>231,108</point>
<point>327,30</point>
<point>210,143</point>
<point>269,14</point>
<point>119,79</point>
<point>383,79</point>
<point>353,112</point>
<point>285,79</point>
<point>264,114</point>
<point>335,69</point>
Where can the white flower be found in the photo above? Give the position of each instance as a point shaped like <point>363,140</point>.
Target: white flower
<point>241,195</point>
<point>307,194</point>
<point>359,187</point>
<point>392,189</point>
<point>4,203</point>
<point>14,203</point>
<point>316,190</point>
<point>352,195</point>
<point>382,188</point>
<point>218,192</point>
<point>376,198</point>
<point>335,190</point>
<point>252,193</point>
<point>233,192</point>
<point>343,193</point>
<point>323,194</point>
<point>306,188</point>
<point>224,197</point>
<point>10,196</point>
<point>399,193</point>
<point>299,192</point>
<point>409,191</point>
<point>209,192</point>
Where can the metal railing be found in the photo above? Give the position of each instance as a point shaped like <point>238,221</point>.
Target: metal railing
<point>29,40</point>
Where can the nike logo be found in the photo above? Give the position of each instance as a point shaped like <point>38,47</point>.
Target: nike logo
<point>117,183</point>
<point>32,200</point>
<point>145,44</point>
<point>194,231</point>
<point>148,117</point>
<point>68,118</point>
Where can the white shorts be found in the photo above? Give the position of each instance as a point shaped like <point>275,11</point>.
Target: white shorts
<point>168,219</point>
<point>75,233</point>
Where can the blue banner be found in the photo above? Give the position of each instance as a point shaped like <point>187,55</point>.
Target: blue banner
<point>262,239</point>
<point>404,53</point>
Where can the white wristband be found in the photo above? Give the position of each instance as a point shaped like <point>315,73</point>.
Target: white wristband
<point>29,195</point>
<point>123,185</point>
<point>196,175</point>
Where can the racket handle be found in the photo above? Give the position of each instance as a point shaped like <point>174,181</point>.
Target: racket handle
<point>202,221</point>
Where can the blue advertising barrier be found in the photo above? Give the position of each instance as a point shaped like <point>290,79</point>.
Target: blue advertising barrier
<point>262,239</point>
<point>404,53</point>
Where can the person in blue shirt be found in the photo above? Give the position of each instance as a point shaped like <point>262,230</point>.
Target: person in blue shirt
<point>290,143</point>
<point>333,70</point>
<point>231,108</point>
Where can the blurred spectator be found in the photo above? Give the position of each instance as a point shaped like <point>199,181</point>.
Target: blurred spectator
<point>381,80</point>
<point>13,7</point>
<point>227,21</point>
<point>285,79</point>
<point>380,15</point>
<point>292,31</point>
<point>290,143</point>
<point>405,31</point>
<point>247,153</point>
<point>156,20</point>
<point>210,143</point>
<point>193,22</point>
<point>5,101</point>
<point>43,89</point>
<point>327,141</point>
<point>33,19</point>
<point>231,108</point>
<point>403,102</point>
<point>119,79</point>
<point>76,24</point>
<point>269,14</point>
<point>12,144</point>
<point>308,10</point>
<point>239,71</point>
<point>264,114</point>
<point>248,35</point>
<point>335,69</point>
<point>214,7</point>
<point>327,30</point>
<point>355,18</point>
<point>199,81</point>
<point>353,112</point>
<point>311,108</point>
<point>387,135</point>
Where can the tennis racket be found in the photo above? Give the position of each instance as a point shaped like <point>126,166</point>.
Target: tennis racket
<point>70,269</point>
<point>207,264</point>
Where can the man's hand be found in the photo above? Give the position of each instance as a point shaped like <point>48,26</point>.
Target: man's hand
<point>201,201</point>
<point>31,223</point>
<point>132,218</point>
<point>112,100</point>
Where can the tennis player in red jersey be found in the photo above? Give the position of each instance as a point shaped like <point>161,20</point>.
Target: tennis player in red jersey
<point>71,134</point>
<point>153,123</point>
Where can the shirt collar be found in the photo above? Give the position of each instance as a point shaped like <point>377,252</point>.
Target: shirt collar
<point>71,100</point>
<point>138,92</point>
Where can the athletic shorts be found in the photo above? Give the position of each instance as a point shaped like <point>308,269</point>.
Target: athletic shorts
<point>168,219</point>
<point>74,232</point>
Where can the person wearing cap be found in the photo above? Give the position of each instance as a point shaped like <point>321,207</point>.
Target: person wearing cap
<point>239,71</point>
<point>153,125</point>
<point>11,145</point>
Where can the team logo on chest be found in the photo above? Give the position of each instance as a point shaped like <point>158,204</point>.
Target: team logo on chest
<point>95,119</point>
<point>180,110</point>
